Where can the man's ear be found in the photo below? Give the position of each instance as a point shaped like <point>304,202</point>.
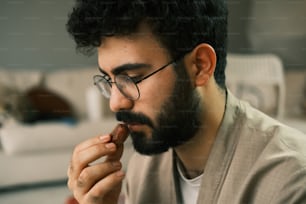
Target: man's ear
<point>204,60</point>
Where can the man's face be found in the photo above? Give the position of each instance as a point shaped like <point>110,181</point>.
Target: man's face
<point>167,112</point>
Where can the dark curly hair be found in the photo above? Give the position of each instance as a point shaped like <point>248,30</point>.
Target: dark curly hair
<point>179,25</point>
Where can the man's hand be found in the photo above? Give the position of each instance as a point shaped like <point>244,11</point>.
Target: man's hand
<point>99,182</point>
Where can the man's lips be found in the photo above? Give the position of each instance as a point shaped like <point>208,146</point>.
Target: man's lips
<point>134,125</point>
<point>133,119</point>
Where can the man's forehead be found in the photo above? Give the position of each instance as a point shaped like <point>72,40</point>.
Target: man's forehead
<point>143,39</point>
<point>116,51</point>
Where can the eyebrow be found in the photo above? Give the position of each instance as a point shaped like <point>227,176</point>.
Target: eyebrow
<point>126,67</point>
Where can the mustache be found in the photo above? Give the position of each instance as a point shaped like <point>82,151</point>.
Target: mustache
<point>129,117</point>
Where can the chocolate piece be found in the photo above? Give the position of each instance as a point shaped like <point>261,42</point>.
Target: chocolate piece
<point>119,133</point>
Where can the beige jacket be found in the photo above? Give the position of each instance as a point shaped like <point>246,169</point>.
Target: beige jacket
<point>255,159</point>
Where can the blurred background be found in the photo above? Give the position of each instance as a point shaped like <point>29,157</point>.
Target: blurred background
<point>36,51</point>
<point>33,36</point>
<point>269,26</point>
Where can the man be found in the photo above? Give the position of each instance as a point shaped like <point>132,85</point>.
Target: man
<point>161,65</point>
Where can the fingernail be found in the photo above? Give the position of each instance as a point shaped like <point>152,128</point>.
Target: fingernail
<point>110,146</point>
<point>104,138</point>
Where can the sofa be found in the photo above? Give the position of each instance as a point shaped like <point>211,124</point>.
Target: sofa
<point>38,152</point>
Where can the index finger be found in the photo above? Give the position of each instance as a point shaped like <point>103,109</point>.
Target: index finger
<point>93,141</point>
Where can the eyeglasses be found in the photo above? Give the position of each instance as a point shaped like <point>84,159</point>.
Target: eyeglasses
<point>125,84</point>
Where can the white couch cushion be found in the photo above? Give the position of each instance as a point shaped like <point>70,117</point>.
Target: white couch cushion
<point>27,169</point>
<point>44,137</point>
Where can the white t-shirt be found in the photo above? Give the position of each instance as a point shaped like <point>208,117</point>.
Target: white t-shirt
<point>189,187</point>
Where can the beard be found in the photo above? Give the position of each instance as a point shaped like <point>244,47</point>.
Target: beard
<point>177,122</point>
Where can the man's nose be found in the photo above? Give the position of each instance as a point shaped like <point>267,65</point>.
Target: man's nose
<point>118,101</point>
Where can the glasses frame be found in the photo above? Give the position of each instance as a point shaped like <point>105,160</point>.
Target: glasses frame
<point>107,79</point>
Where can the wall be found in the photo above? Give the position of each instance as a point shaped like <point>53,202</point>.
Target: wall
<point>33,36</point>
<point>273,26</point>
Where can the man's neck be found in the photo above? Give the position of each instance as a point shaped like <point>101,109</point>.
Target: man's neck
<point>194,154</point>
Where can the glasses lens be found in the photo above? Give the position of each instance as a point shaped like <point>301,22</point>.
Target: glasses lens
<point>103,85</point>
<point>127,87</point>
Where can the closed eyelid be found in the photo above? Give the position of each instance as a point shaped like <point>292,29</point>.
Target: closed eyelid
<point>129,67</point>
